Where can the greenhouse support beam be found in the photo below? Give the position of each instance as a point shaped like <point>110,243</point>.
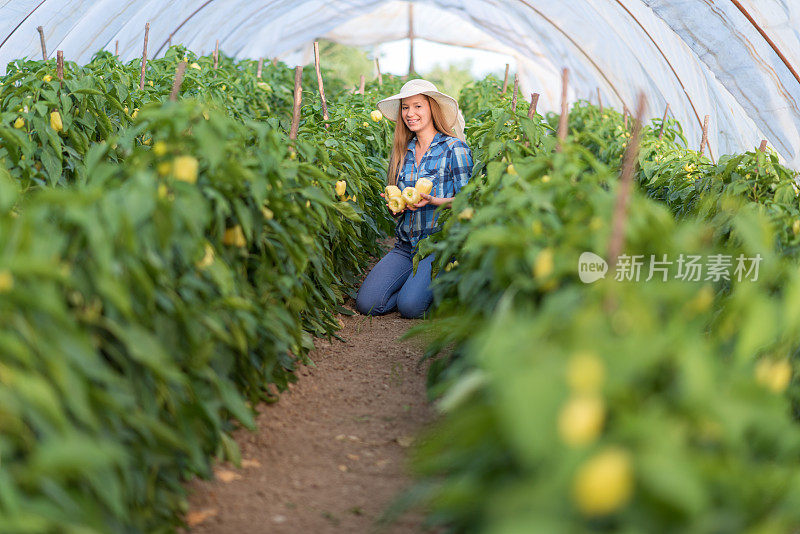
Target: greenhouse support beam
<point>181,25</point>
<point>21,23</point>
<point>767,38</point>
<point>578,47</point>
<point>411,38</point>
<point>669,64</point>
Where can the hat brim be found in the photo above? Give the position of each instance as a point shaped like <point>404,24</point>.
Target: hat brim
<point>390,107</point>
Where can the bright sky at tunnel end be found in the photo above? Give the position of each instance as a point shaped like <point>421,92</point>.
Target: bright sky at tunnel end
<point>393,57</point>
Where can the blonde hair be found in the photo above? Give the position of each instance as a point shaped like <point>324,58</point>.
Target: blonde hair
<point>402,135</point>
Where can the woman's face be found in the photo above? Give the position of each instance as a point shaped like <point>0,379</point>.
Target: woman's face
<point>416,113</point>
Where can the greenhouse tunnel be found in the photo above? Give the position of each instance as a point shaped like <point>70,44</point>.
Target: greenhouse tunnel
<point>737,61</point>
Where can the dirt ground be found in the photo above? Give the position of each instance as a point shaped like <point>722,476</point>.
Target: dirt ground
<point>330,455</point>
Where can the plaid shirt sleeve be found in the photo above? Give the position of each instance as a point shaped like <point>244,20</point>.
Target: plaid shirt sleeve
<point>459,168</point>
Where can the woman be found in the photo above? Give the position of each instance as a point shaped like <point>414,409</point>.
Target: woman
<point>428,143</point>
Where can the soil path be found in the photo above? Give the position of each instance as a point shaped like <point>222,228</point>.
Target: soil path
<point>330,455</point>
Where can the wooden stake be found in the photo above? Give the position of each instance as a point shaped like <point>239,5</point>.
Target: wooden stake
<point>514,94</point>
<point>176,83</point>
<point>274,62</point>
<point>60,66</point>
<point>562,121</point>
<point>763,146</point>
<point>319,82</point>
<point>216,55</point>
<point>505,81</point>
<point>704,139</point>
<point>144,55</point>
<point>41,40</point>
<point>298,101</point>
<point>260,66</point>
<point>625,116</point>
<point>380,76</point>
<point>663,122</point>
<point>116,49</point>
<point>361,85</point>
<point>599,100</point>
<point>617,240</point>
<point>534,103</point>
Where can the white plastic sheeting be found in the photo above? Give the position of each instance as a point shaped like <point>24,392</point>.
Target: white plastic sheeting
<point>703,57</point>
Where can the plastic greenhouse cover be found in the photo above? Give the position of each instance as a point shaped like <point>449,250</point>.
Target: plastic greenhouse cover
<point>735,60</point>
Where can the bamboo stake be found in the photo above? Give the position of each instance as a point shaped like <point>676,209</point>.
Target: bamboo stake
<point>663,122</point>
<point>514,94</point>
<point>380,76</point>
<point>176,83</point>
<point>599,100</point>
<point>60,66</point>
<point>534,103</point>
<point>144,55</point>
<point>361,85</point>
<point>116,49</point>
<point>617,240</point>
<point>562,121</point>
<point>319,82</point>
<point>298,101</point>
<point>41,40</point>
<point>704,139</point>
<point>216,55</point>
<point>260,66</point>
<point>505,81</point>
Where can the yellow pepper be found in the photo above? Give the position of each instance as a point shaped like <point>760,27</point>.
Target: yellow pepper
<point>604,483</point>
<point>397,204</point>
<point>185,169</point>
<point>424,186</point>
<point>392,191</point>
<point>234,237</point>
<point>411,195</point>
<point>6,281</point>
<point>19,123</point>
<point>341,187</point>
<point>581,420</point>
<point>376,115</point>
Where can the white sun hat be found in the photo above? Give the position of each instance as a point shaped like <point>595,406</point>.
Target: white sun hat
<point>390,107</point>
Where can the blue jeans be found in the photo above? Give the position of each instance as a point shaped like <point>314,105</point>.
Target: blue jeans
<point>390,285</point>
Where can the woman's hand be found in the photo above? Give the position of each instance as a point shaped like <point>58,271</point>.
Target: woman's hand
<point>429,199</point>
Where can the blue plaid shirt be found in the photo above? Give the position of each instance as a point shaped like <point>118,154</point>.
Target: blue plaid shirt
<point>448,164</point>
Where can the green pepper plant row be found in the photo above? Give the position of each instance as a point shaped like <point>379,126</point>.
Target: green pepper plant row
<point>616,406</point>
<point>184,260</point>
<point>690,184</point>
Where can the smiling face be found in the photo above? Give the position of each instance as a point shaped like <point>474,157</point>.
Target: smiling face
<point>416,113</point>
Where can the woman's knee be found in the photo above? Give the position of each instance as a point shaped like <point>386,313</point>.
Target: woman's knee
<point>368,304</point>
<point>410,307</point>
